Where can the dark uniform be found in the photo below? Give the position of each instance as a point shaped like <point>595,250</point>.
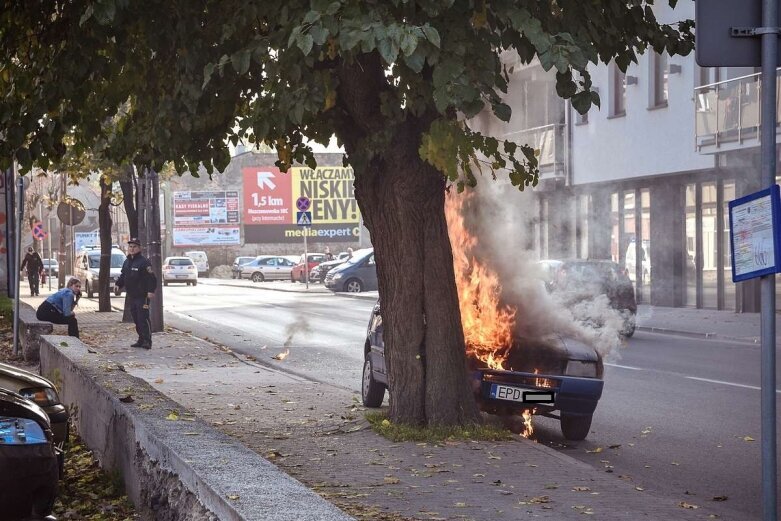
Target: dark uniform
<point>34,265</point>
<point>139,278</point>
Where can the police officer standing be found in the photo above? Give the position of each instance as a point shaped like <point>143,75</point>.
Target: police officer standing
<point>140,281</point>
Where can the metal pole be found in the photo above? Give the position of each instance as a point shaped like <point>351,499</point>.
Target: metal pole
<point>17,268</point>
<point>153,200</point>
<point>49,223</point>
<point>768,282</point>
<point>306,258</point>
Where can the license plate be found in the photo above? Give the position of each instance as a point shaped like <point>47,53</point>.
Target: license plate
<point>518,394</point>
<point>181,276</point>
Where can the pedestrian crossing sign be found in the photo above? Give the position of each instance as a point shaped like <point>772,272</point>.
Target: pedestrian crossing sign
<point>304,218</point>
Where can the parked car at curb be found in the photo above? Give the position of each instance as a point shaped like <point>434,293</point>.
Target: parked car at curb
<point>201,261</point>
<point>305,265</point>
<point>51,267</point>
<point>587,278</point>
<point>180,269</point>
<point>359,273</point>
<point>319,272</point>
<point>87,268</point>
<point>550,375</point>
<point>238,262</point>
<point>44,394</point>
<point>267,267</point>
<point>28,459</point>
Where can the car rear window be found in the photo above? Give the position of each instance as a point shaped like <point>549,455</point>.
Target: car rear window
<point>180,262</point>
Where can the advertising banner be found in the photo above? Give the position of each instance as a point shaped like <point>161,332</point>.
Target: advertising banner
<point>207,236</point>
<point>83,239</point>
<point>270,204</point>
<point>204,208</point>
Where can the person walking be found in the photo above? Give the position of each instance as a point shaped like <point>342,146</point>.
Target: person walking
<point>34,265</point>
<point>140,281</point>
<point>58,308</point>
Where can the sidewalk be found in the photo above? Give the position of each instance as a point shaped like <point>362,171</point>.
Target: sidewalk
<point>702,323</point>
<point>317,433</point>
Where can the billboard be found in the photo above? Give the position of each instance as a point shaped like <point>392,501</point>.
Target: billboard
<point>207,236</point>
<point>270,211</point>
<point>204,208</point>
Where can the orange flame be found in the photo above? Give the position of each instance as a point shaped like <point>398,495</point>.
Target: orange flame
<point>487,325</point>
<point>528,429</point>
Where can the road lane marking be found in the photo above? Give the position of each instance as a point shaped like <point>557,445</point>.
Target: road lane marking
<point>728,383</point>
<point>626,367</point>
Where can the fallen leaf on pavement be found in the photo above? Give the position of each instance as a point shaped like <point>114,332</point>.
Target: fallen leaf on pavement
<point>159,381</point>
<point>391,481</point>
<point>581,489</point>
<point>233,497</point>
<point>460,504</point>
<point>63,344</point>
<point>595,451</point>
<point>639,489</point>
<point>684,504</point>
<point>748,438</point>
<point>173,416</point>
<point>540,499</point>
<point>551,486</point>
<point>720,498</point>
<point>617,446</point>
<point>127,399</point>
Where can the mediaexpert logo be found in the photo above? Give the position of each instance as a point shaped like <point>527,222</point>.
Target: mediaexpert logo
<point>327,233</point>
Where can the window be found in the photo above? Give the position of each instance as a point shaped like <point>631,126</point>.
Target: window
<point>617,92</point>
<point>661,75</point>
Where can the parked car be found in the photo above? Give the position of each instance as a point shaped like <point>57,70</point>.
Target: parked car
<point>201,261</point>
<point>180,269</point>
<point>305,265</point>
<point>44,394</point>
<point>267,267</point>
<point>28,459</point>
<point>319,272</point>
<point>358,274</point>
<point>238,262</point>
<point>555,374</point>
<point>51,267</point>
<point>87,268</point>
<point>590,278</point>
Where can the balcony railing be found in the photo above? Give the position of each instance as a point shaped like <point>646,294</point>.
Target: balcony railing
<point>728,113</point>
<point>551,142</point>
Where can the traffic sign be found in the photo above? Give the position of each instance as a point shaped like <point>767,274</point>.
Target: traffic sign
<point>304,218</point>
<point>38,231</point>
<point>303,203</point>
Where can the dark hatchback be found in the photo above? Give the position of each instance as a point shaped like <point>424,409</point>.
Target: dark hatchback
<point>357,274</point>
<point>568,379</point>
<point>28,462</point>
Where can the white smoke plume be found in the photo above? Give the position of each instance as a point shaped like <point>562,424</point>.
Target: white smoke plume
<point>503,218</point>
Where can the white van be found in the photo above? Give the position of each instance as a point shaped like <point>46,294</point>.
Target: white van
<point>201,261</point>
<point>87,268</point>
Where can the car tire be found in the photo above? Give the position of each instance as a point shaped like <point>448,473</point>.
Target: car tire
<point>301,278</point>
<point>372,391</point>
<point>117,292</point>
<point>353,286</point>
<point>575,427</point>
<point>258,277</point>
<point>90,292</point>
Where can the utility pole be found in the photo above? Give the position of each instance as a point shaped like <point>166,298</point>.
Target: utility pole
<point>61,253</point>
<point>17,269</point>
<point>154,247</point>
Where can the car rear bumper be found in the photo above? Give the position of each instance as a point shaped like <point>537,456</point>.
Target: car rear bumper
<point>180,277</point>
<point>570,394</point>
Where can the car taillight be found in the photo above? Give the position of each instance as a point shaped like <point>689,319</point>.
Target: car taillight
<point>190,267</point>
<point>168,267</point>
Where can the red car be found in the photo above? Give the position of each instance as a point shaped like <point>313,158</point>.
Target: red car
<point>304,266</point>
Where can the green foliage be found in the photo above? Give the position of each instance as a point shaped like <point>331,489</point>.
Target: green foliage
<point>398,432</point>
<point>148,82</point>
<point>6,313</point>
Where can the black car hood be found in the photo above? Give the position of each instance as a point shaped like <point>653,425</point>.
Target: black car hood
<point>12,404</point>
<point>549,355</point>
<point>29,379</point>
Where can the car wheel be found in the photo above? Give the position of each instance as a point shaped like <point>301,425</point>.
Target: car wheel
<point>117,292</point>
<point>258,277</point>
<point>90,293</point>
<point>372,391</point>
<point>353,286</point>
<point>301,278</point>
<point>575,427</point>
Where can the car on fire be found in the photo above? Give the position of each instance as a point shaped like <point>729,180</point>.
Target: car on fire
<point>556,377</point>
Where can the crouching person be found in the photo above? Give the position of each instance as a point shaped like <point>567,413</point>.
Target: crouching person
<point>58,308</point>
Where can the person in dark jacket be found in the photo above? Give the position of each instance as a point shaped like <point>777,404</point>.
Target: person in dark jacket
<point>34,265</point>
<point>140,282</point>
<point>58,308</point>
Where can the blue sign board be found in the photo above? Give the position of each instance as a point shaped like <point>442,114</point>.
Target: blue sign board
<point>304,218</point>
<point>755,234</point>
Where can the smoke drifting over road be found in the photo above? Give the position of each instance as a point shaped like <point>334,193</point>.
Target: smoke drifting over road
<point>503,220</point>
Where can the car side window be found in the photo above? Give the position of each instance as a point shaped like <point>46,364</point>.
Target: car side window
<point>370,262</point>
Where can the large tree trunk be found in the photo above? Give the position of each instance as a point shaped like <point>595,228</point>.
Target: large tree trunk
<point>127,184</point>
<point>104,226</point>
<point>402,201</point>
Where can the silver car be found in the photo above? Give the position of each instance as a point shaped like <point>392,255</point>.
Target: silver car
<point>267,267</point>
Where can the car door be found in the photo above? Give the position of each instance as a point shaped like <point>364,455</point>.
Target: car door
<point>284,267</point>
<point>269,268</point>
<point>376,341</point>
<point>368,273</point>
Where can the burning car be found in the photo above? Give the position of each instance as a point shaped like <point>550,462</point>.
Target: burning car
<point>543,376</point>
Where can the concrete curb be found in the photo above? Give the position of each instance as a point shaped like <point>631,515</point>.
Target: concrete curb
<point>692,334</point>
<point>255,286</point>
<point>173,469</point>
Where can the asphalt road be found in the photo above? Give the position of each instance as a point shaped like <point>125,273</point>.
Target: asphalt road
<point>679,416</point>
